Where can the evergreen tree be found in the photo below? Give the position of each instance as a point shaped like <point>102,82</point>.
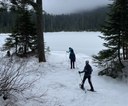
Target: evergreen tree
<point>24,33</point>
<point>37,5</point>
<point>114,31</point>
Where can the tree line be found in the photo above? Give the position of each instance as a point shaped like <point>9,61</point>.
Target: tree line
<point>84,20</point>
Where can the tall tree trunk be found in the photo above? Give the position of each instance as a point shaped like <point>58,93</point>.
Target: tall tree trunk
<point>41,47</point>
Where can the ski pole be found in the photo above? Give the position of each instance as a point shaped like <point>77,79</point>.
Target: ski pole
<point>67,59</point>
<point>80,76</point>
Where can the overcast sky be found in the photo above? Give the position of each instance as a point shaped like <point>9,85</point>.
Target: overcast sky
<point>68,6</point>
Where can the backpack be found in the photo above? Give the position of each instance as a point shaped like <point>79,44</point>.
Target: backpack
<point>88,70</point>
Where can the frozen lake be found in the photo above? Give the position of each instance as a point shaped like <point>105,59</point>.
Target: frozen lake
<point>83,42</point>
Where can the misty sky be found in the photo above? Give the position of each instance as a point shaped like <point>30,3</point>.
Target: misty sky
<point>68,6</point>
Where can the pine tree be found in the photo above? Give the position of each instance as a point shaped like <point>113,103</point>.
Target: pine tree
<point>24,33</point>
<point>115,32</point>
<point>39,17</point>
<point>37,5</point>
<point>111,31</point>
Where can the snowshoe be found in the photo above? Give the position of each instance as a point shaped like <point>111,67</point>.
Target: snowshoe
<point>82,88</point>
<point>91,90</point>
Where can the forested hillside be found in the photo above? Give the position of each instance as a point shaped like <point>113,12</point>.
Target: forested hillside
<point>84,20</point>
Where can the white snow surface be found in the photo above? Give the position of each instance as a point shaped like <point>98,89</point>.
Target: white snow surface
<point>60,85</point>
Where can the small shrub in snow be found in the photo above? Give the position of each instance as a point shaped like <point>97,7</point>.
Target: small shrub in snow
<point>14,78</point>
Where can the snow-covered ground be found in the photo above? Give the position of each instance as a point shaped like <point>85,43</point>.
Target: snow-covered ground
<point>60,85</point>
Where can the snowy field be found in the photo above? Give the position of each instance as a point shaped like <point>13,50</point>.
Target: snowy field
<point>60,85</point>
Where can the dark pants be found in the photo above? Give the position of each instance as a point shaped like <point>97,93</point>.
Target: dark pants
<point>89,81</point>
<point>72,64</point>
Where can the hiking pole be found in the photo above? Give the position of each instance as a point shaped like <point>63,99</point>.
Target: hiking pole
<point>67,59</point>
<point>80,76</point>
<point>81,85</point>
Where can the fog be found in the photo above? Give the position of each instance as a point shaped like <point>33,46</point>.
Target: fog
<point>69,6</point>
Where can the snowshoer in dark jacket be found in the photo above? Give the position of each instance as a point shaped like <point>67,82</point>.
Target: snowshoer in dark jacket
<point>87,75</point>
<point>72,58</point>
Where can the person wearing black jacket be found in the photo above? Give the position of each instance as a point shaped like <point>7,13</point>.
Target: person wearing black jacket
<point>72,58</point>
<point>87,75</point>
